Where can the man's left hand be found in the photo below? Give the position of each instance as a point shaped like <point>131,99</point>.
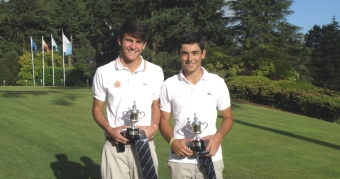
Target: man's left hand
<point>150,131</point>
<point>214,142</point>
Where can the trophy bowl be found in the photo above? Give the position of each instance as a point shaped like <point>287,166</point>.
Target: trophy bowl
<point>196,129</point>
<point>135,115</point>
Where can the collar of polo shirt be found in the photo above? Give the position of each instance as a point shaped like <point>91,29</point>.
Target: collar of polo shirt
<point>141,67</point>
<point>204,76</point>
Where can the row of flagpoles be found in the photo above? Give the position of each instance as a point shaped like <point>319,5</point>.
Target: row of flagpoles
<point>67,50</point>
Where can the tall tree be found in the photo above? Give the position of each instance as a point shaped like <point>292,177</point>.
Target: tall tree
<point>168,19</point>
<point>9,68</point>
<point>72,17</point>
<point>258,23</point>
<point>101,31</point>
<point>21,19</point>
<point>325,42</point>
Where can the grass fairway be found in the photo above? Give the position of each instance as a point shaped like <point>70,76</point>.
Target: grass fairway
<point>45,129</point>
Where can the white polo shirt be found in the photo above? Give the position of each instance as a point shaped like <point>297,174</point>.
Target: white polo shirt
<point>184,99</point>
<point>119,87</point>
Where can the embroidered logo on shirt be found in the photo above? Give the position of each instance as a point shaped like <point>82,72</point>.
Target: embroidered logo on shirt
<point>144,83</point>
<point>208,93</point>
<point>117,84</point>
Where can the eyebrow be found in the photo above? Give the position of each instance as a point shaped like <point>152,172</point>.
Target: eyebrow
<point>195,51</point>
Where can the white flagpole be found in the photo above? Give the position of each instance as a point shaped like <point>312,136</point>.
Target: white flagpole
<point>32,61</point>
<point>43,59</point>
<point>63,60</point>
<point>52,62</point>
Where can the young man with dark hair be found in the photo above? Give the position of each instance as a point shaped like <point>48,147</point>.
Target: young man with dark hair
<point>192,94</point>
<point>119,84</point>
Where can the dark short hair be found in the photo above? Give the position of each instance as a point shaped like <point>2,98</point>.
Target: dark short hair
<point>134,28</point>
<point>191,38</point>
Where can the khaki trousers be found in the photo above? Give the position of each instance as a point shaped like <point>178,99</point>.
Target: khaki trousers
<point>123,165</point>
<point>191,171</point>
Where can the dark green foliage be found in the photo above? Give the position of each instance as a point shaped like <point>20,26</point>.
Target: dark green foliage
<point>58,76</point>
<point>168,19</point>
<point>73,77</point>
<point>170,64</point>
<point>287,95</point>
<point>216,61</point>
<point>325,62</point>
<point>267,61</point>
<point>4,74</point>
<point>259,24</point>
<point>256,41</point>
<point>9,68</point>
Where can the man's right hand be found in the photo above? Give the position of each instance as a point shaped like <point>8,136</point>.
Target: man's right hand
<point>116,135</point>
<point>179,148</point>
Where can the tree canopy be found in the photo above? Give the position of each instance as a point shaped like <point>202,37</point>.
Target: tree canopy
<point>256,40</point>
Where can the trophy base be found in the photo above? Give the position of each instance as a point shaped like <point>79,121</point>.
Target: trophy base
<point>198,145</point>
<point>132,134</point>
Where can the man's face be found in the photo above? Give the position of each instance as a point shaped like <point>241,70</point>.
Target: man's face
<point>191,57</point>
<point>131,47</point>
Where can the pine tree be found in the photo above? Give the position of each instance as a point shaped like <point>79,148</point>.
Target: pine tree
<point>325,42</point>
<point>261,25</point>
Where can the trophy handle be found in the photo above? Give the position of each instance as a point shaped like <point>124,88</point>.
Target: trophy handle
<point>206,125</point>
<point>186,126</point>
<point>125,112</point>
<point>119,120</point>
<point>142,115</point>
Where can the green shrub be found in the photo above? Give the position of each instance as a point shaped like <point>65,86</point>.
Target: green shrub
<point>287,95</point>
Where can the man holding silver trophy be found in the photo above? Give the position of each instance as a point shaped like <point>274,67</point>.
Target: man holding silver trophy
<point>192,97</point>
<point>129,88</point>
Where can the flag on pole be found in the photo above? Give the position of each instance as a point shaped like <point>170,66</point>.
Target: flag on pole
<point>45,45</point>
<point>34,47</point>
<point>67,46</point>
<point>54,45</point>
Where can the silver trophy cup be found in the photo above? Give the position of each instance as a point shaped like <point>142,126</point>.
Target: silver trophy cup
<point>196,128</point>
<point>135,115</point>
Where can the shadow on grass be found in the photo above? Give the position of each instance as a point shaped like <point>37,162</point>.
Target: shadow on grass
<point>17,92</point>
<point>326,144</point>
<point>20,94</point>
<point>64,100</point>
<point>64,169</point>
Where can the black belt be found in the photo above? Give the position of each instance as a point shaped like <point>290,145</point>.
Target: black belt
<point>111,140</point>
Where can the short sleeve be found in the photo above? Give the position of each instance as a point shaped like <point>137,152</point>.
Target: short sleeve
<point>159,78</point>
<point>98,89</point>
<point>165,101</point>
<point>224,96</point>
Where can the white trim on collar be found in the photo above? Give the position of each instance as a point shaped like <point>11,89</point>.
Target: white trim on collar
<point>204,76</point>
<point>141,67</point>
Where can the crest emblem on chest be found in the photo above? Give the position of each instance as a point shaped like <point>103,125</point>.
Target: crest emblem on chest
<point>117,84</point>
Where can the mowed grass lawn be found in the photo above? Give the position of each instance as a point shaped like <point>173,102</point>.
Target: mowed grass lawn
<point>49,132</point>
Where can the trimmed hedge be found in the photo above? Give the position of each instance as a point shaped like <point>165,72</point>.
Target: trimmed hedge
<point>73,77</point>
<point>287,95</point>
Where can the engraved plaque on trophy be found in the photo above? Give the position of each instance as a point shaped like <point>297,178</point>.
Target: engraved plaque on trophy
<point>135,115</point>
<point>196,129</point>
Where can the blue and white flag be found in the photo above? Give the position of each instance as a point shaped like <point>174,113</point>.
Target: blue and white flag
<point>34,47</point>
<point>54,45</point>
<point>67,46</point>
